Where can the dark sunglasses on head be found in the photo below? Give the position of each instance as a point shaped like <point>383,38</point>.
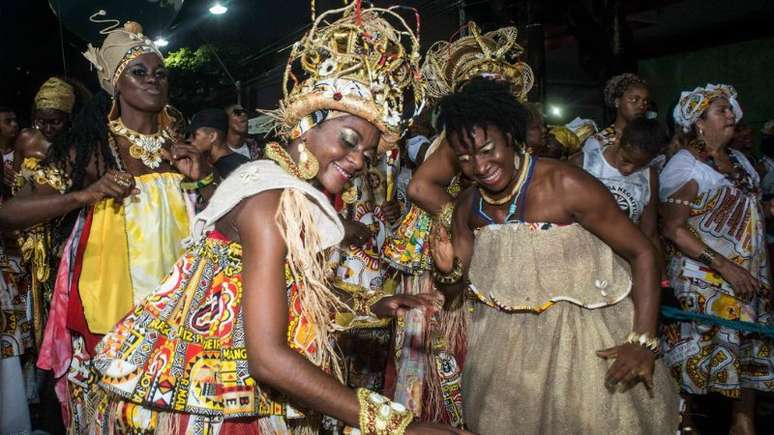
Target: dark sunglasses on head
<point>239,112</point>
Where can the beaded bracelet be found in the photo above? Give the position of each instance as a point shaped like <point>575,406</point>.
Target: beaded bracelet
<point>198,184</point>
<point>452,277</point>
<point>380,416</point>
<point>644,340</point>
<point>707,256</point>
<point>678,202</point>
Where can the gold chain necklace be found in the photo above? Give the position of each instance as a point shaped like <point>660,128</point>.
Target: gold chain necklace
<point>279,155</point>
<point>516,187</point>
<point>144,147</point>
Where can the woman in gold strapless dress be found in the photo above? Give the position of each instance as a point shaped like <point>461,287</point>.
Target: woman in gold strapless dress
<point>563,316</point>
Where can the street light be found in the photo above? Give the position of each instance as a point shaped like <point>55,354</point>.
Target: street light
<point>161,42</point>
<point>218,9</point>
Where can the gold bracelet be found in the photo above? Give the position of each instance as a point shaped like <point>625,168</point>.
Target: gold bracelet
<point>380,416</point>
<point>644,340</point>
<point>452,277</point>
<point>707,256</point>
<point>444,217</point>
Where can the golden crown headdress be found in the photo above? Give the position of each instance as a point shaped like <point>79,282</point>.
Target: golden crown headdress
<point>495,54</point>
<point>360,64</point>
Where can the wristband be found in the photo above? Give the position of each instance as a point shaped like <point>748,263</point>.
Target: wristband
<point>198,184</point>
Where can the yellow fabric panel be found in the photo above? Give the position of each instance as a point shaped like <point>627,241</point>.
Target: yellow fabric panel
<point>131,248</point>
<point>156,223</point>
<point>105,285</point>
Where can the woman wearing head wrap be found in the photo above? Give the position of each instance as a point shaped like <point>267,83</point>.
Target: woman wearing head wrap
<point>52,108</point>
<point>51,115</point>
<point>238,338</point>
<point>628,96</point>
<point>719,270</point>
<point>119,168</point>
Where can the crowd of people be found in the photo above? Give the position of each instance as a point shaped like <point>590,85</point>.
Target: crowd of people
<point>418,252</point>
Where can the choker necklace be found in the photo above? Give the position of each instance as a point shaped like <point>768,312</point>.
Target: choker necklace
<point>144,147</point>
<point>280,156</point>
<point>516,187</point>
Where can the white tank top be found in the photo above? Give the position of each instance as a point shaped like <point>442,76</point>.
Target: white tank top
<point>632,192</point>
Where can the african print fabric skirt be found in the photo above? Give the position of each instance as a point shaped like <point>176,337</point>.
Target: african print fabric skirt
<point>177,363</point>
<point>15,328</point>
<point>408,249</point>
<point>710,357</point>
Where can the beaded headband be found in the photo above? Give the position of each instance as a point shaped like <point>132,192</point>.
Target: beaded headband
<point>120,47</point>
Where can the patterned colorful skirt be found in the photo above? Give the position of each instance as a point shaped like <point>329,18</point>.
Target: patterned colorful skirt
<point>177,363</point>
<point>408,250</point>
<point>710,357</point>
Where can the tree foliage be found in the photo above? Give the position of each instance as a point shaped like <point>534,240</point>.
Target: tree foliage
<point>196,77</point>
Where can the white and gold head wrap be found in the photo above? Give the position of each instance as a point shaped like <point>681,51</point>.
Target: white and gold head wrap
<point>495,54</point>
<point>692,104</point>
<point>120,47</point>
<point>354,61</point>
<point>55,94</point>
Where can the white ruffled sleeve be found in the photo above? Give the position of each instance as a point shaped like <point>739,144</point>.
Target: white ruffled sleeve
<point>679,170</point>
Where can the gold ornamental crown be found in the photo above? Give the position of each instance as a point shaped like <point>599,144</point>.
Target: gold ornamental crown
<point>354,60</point>
<point>495,54</point>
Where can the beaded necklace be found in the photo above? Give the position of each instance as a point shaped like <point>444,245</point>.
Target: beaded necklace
<point>517,204</point>
<point>738,176</point>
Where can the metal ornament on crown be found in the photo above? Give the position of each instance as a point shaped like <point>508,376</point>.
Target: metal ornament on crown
<point>494,54</point>
<point>359,64</point>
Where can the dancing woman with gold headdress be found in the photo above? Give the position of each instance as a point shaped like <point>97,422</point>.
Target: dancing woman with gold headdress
<point>120,171</point>
<point>564,308</point>
<point>428,379</point>
<point>238,336</point>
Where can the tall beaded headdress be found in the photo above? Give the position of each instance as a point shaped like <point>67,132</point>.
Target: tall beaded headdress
<point>358,63</point>
<point>495,54</point>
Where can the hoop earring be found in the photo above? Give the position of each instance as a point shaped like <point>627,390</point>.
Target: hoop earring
<point>308,165</point>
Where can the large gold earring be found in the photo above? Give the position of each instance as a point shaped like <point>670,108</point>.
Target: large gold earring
<point>308,165</point>
<point>349,196</point>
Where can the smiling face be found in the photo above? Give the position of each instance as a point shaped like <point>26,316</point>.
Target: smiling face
<point>143,85</point>
<point>343,146</point>
<point>485,156</point>
<point>718,123</point>
<point>633,103</point>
